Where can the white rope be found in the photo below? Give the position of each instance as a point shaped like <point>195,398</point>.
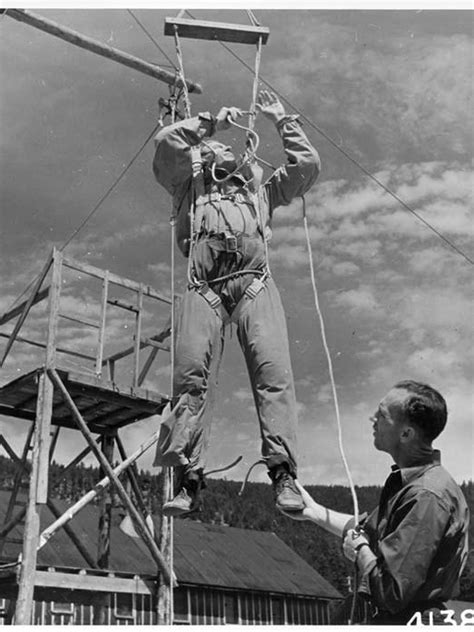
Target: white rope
<point>331,372</point>
<point>169,471</point>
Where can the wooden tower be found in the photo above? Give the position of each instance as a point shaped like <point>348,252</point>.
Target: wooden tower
<point>92,392</point>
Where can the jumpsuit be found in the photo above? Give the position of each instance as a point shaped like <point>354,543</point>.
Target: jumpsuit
<point>230,239</point>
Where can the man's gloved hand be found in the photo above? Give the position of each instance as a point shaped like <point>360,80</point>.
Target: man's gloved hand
<point>270,105</point>
<point>222,119</point>
<point>354,540</point>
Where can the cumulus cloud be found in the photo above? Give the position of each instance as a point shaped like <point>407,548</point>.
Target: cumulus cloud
<point>360,302</point>
<point>405,93</point>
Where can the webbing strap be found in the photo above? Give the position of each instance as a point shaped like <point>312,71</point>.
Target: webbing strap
<point>249,294</point>
<point>196,208</point>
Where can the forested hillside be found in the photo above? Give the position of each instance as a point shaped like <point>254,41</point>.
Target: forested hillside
<point>253,510</point>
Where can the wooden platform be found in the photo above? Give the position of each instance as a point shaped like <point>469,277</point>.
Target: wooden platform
<point>198,29</point>
<point>103,405</point>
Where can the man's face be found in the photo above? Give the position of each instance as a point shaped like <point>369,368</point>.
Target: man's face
<point>388,421</point>
<point>221,155</point>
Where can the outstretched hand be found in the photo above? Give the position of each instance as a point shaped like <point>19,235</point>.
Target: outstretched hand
<point>305,514</point>
<point>270,105</point>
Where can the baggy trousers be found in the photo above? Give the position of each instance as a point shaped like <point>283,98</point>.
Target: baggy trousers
<point>262,333</point>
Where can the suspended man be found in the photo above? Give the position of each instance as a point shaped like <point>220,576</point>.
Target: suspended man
<point>223,224</point>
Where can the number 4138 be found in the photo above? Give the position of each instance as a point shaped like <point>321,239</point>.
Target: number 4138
<point>466,617</point>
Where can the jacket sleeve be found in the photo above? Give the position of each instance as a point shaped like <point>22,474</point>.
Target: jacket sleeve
<point>302,169</point>
<point>405,554</point>
<point>172,161</point>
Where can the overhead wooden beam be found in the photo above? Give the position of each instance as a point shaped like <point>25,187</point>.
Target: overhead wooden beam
<point>94,46</point>
<point>199,29</point>
<point>93,582</point>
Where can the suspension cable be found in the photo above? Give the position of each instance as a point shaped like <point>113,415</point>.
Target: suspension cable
<point>150,36</point>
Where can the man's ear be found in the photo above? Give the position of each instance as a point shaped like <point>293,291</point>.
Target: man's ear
<point>408,433</point>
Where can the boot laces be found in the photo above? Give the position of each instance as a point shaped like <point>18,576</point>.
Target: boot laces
<point>283,482</point>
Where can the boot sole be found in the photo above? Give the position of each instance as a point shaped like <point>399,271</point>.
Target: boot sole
<point>173,512</point>
<point>291,507</point>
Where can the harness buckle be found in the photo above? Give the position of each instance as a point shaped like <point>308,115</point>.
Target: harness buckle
<point>210,296</point>
<point>231,243</point>
<point>254,288</point>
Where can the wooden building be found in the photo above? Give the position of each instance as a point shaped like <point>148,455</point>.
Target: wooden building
<point>225,575</point>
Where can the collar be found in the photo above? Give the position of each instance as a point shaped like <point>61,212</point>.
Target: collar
<point>407,474</point>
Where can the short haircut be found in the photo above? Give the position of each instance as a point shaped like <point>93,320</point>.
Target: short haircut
<point>424,407</point>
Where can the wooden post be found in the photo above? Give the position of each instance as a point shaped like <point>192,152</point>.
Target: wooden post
<point>105,518</point>
<point>38,491</point>
<point>138,334</point>
<point>164,609</point>
<point>24,603</point>
<point>103,316</point>
<point>73,37</point>
<point>46,411</point>
<point>105,521</point>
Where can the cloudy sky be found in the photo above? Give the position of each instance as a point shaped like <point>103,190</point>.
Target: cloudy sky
<point>391,89</point>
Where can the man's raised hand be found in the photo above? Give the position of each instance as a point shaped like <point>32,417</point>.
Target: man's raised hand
<point>270,105</point>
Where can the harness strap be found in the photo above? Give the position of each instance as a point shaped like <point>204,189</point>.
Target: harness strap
<point>249,294</point>
<point>209,295</point>
<point>213,300</point>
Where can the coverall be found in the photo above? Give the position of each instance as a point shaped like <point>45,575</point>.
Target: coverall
<point>230,238</point>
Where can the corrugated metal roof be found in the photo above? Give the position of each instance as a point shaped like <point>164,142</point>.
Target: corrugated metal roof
<point>204,554</point>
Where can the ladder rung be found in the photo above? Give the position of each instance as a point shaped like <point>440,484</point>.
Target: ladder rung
<point>197,29</point>
<point>82,320</point>
<point>118,303</point>
<point>13,541</point>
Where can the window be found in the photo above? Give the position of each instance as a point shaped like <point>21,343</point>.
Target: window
<point>197,606</point>
<point>62,613</point>
<point>124,607</point>
<point>278,610</point>
<point>3,611</point>
<point>181,606</point>
<point>231,608</point>
<point>322,613</point>
<point>293,609</point>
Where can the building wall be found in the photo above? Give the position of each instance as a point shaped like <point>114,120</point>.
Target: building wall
<point>205,606</point>
<point>192,606</point>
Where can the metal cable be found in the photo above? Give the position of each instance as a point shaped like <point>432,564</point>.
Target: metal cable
<point>150,36</point>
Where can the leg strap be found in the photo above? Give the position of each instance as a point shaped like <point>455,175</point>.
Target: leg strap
<point>249,294</point>
<point>209,295</point>
<point>213,300</point>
